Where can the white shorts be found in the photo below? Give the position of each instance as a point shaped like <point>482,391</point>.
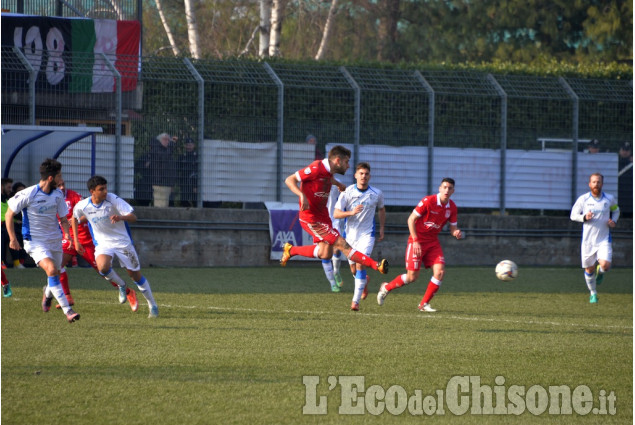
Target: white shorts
<point>363,244</point>
<point>591,253</point>
<point>40,251</point>
<point>126,255</point>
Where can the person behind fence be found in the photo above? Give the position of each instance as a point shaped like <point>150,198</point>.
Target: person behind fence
<point>42,204</point>
<point>625,179</point>
<point>599,212</point>
<point>19,257</point>
<point>593,146</point>
<point>312,140</point>
<point>188,173</point>
<point>162,167</point>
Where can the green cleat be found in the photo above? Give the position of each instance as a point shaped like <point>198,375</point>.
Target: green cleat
<point>338,280</point>
<point>599,277</point>
<point>6,290</point>
<point>335,288</point>
<point>593,299</point>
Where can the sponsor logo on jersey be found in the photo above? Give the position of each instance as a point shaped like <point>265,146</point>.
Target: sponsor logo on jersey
<point>321,194</point>
<point>307,170</point>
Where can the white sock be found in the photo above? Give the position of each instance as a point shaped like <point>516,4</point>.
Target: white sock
<point>328,271</point>
<point>112,276</point>
<point>590,282</point>
<point>360,284</point>
<point>58,293</point>
<point>144,287</point>
<point>337,260</point>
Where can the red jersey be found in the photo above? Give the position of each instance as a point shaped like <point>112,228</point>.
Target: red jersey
<point>433,215</point>
<point>316,182</point>
<point>83,233</point>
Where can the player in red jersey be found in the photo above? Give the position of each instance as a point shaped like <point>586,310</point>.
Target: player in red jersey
<point>86,240</point>
<point>315,186</point>
<point>425,223</point>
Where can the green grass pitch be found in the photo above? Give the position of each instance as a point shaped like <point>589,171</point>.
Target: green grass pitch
<point>234,345</point>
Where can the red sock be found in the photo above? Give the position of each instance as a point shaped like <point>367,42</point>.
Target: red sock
<point>4,278</point>
<point>432,289</point>
<point>360,258</point>
<point>395,283</point>
<point>64,282</point>
<point>304,251</point>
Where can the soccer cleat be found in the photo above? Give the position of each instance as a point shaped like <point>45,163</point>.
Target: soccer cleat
<point>6,290</point>
<point>154,312</point>
<point>46,302</point>
<point>122,294</point>
<point>286,254</point>
<point>338,279</point>
<point>599,277</point>
<point>365,292</point>
<point>71,316</point>
<point>382,266</point>
<point>132,299</point>
<point>381,296</point>
<point>354,306</point>
<point>427,307</point>
<point>335,288</point>
<point>593,299</point>
<point>69,298</point>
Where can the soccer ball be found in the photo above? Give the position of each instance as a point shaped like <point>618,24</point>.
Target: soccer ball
<point>506,270</point>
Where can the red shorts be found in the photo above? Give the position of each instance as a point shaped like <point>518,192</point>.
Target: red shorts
<point>321,232</point>
<point>88,255</point>
<point>431,253</point>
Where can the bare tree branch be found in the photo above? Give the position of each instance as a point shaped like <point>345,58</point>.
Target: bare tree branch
<point>327,31</point>
<point>168,32</point>
<point>192,30</point>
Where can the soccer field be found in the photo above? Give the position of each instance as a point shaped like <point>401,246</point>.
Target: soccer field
<point>273,345</point>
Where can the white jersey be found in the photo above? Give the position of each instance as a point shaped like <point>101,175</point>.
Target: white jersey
<point>596,230</point>
<point>103,231</point>
<point>338,223</point>
<point>39,214</point>
<point>363,223</point>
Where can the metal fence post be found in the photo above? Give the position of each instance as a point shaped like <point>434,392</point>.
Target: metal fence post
<point>280,131</point>
<point>32,78</point>
<point>117,76</point>
<point>201,124</point>
<point>503,164</point>
<point>431,106</point>
<point>574,135</point>
<point>357,113</point>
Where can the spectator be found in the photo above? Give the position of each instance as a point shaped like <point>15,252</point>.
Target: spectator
<point>143,180</point>
<point>161,166</point>
<point>6,194</point>
<point>188,163</point>
<point>312,140</point>
<point>593,146</point>
<point>18,256</point>
<point>625,179</point>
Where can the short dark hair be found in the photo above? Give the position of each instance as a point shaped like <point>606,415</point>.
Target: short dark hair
<point>448,180</point>
<point>364,165</point>
<point>6,180</point>
<point>95,181</point>
<point>50,168</point>
<point>340,151</point>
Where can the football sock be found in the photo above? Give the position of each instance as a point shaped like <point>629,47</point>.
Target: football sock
<point>590,282</point>
<point>328,271</point>
<point>337,260</point>
<point>433,287</point>
<point>360,284</point>
<point>4,279</point>
<point>601,270</point>
<point>304,251</point>
<point>144,287</point>
<point>64,281</point>
<point>54,287</point>
<point>362,259</point>
<point>112,276</point>
<point>397,282</point>
<point>16,263</point>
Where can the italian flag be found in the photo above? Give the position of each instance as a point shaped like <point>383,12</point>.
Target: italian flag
<point>118,41</point>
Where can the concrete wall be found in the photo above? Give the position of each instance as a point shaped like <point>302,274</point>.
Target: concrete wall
<point>215,237</point>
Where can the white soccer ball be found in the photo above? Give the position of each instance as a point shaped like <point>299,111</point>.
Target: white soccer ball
<point>506,270</point>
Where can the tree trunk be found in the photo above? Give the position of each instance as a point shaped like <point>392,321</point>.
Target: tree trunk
<point>265,27</point>
<point>276,27</point>
<point>192,30</point>
<point>387,30</point>
<point>327,31</point>
<point>168,32</point>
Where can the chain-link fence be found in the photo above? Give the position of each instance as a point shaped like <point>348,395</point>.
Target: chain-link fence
<point>116,9</point>
<point>250,123</point>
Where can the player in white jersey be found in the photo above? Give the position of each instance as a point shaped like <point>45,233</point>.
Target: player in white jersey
<point>358,204</point>
<point>41,204</point>
<point>108,216</point>
<point>332,266</point>
<point>599,212</point>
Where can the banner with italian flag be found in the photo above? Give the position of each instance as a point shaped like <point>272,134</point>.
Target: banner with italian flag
<point>67,52</point>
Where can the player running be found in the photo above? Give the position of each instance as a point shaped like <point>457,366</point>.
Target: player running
<point>85,240</point>
<point>108,216</point>
<point>425,223</point>
<point>358,204</point>
<point>315,185</point>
